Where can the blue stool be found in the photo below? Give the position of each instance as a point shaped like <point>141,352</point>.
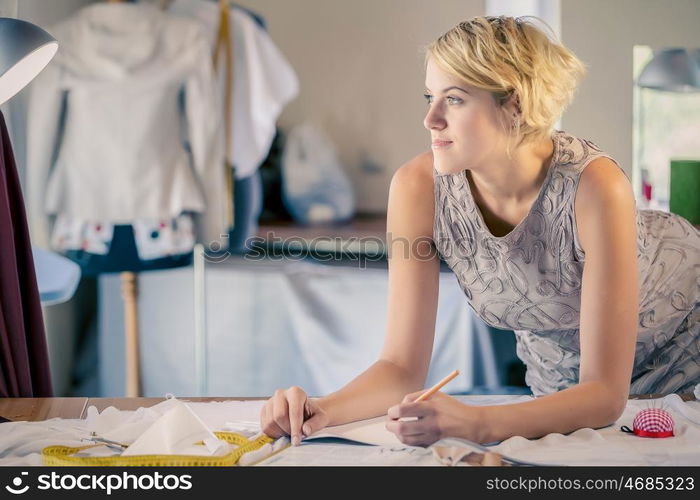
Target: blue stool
<point>57,277</point>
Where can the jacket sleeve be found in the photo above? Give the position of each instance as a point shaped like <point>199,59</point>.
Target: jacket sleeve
<point>43,117</point>
<point>205,134</point>
<point>265,83</point>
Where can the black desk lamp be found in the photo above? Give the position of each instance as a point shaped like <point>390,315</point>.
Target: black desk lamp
<point>25,49</point>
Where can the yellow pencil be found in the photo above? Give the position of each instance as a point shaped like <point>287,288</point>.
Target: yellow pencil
<point>437,387</point>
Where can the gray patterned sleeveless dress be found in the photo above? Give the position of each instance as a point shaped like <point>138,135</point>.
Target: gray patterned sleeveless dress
<point>529,280</point>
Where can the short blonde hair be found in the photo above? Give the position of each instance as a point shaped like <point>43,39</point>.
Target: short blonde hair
<point>506,55</point>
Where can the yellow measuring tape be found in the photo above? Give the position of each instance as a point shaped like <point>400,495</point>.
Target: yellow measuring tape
<point>64,455</point>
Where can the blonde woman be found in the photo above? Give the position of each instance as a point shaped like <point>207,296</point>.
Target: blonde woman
<point>541,231</point>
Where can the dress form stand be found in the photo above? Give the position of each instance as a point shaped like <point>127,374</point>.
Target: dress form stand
<point>131,333</point>
<point>129,281</point>
<point>123,258</point>
<point>224,46</point>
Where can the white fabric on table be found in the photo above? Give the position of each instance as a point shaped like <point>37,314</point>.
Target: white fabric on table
<point>21,442</point>
<point>611,446</point>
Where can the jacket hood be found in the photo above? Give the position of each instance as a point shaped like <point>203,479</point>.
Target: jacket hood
<point>113,41</point>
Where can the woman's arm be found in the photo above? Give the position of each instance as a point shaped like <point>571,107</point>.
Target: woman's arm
<point>605,216</point>
<point>412,302</point>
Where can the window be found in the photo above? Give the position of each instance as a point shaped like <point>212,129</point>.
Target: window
<point>666,125</point>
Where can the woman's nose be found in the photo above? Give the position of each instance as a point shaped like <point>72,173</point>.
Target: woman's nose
<point>434,119</point>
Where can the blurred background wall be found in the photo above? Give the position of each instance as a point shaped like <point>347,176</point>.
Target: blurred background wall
<point>360,68</point>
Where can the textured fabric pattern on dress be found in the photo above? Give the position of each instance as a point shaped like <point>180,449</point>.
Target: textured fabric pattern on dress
<point>530,280</point>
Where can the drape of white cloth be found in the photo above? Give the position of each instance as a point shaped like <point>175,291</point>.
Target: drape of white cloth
<point>263,82</point>
<point>272,325</point>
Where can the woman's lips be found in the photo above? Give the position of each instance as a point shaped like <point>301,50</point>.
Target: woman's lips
<point>441,144</point>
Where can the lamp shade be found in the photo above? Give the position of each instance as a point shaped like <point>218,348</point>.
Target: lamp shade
<point>25,49</point>
<point>673,70</point>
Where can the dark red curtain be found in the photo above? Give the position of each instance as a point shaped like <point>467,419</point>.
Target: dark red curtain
<point>24,361</point>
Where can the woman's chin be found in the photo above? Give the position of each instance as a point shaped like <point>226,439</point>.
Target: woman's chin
<point>445,168</point>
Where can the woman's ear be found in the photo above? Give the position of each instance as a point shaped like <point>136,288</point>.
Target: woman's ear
<point>509,109</point>
<point>517,104</point>
<point>512,104</point>
<point>509,102</point>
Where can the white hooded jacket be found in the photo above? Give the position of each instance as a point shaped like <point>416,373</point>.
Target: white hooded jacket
<point>121,155</point>
<point>263,82</point>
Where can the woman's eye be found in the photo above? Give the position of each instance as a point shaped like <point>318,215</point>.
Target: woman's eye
<point>450,99</point>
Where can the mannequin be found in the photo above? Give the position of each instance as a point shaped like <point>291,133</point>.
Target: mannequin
<point>132,171</point>
<point>123,258</point>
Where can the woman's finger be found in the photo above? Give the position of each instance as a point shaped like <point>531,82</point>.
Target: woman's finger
<point>409,410</point>
<point>315,422</point>
<point>268,425</point>
<point>423,440</point>
<point>405,428</point>
<point>410,398</point>
<point>280,411</point>
<point>296,399</point>
<point>420,432</point>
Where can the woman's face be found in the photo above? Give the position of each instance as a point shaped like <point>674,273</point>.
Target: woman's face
<point>464,123</point>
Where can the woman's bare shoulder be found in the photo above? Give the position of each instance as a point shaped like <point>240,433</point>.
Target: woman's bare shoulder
<point>604,200</point>
<point>416,175</point>
<point>411,197</point>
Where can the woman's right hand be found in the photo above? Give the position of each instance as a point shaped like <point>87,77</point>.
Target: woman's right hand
<point>291,412</point>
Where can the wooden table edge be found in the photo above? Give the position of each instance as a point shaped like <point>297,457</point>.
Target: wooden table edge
<point>35,409</point>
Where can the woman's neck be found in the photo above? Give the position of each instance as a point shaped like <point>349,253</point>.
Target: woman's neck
<point>515,180</point>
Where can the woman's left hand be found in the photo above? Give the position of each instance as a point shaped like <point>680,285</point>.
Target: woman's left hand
<point>438,417</point>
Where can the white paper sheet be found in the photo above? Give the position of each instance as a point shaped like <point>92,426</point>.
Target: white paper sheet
<point>348,454</point>
<point>373,431</point>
